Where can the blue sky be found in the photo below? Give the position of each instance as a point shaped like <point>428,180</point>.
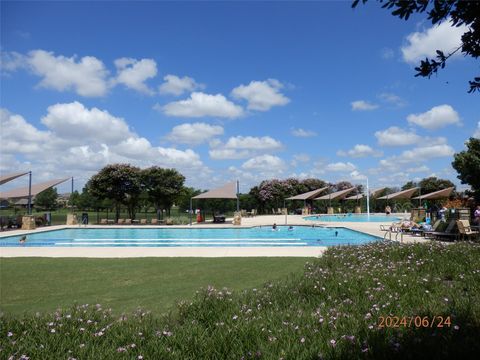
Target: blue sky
<point>230,90</point>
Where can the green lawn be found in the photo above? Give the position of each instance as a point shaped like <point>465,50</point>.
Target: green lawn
<point>42,284</point>
<point>376,301</point>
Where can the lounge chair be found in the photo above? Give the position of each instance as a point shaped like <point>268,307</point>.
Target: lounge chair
<point>443,234</point>
<point>121,221</point>
<point>103,222</point>
<point>254,212</point>
<point>154,222</point>
<point>128,222</point>
<point>143,221</point>
<point>465,229</point>
<point>392,229</point>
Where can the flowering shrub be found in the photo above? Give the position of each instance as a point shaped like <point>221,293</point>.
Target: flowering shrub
<point>330,311</point>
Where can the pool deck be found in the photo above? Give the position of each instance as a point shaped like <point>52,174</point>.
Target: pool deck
<point>372,228</point>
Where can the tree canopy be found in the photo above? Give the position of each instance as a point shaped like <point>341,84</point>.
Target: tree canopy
<point>467,164</point>
<point>458,13</point>
<point>47,199</point>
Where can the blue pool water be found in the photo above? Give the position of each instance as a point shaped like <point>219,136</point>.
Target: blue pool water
<point>168,237</point>
<point>353,218</point>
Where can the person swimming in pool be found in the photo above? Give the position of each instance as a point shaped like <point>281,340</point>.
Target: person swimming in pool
<point>23,239</point>
<point>274,227</point>
<point>336,233</point>
<point>290,228</point>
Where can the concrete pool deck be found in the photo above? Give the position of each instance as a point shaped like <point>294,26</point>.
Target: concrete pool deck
<point>372,228</point>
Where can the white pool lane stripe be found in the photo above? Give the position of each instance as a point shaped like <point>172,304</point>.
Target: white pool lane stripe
<point>176,243</point>
<point>193,239</point>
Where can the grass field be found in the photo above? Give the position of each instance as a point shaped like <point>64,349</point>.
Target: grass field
<point>376,301</point>
<point>42,284</point>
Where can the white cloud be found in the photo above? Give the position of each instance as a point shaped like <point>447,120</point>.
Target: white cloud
<point>175,85</point>
<point>436,117</point>
<point>11,61</point>
<point>361,105</point>
<point>423,44</point>
<point>340,167</point>
<point>476,134</point>
<point>253,143</point>
<point>75,143</point>
<point>265,163</point>
<point>394,136</point>
<point>301,157</point>
<point>427,152</point>
<point>417,155</point>
<point>303,133</point>
<point>133,73</point>
<point>77,124</point>
<point>87,77</point>
<point>360,150</point>
<point>392,99</point>
<point>200,104</point>
<point>240,147</point>
<point>261,95</point>
<point>195,133</point>
<point>356,175</point>
<point>418,169</point>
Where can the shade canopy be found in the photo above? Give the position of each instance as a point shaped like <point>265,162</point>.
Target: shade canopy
<point>336,195</point>
<point>308,195</point>
<point>36,189</point>
<point>376,192</point>
<point>404,194</point>
<point>6,178</point>
<point>440,194</point>
<point>228,191</point>
<point>355,197</point>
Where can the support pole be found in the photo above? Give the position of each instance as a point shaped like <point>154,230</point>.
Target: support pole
<point>29,193</point>
<point>190,212</point>
<point>238,193</point>
<point>286,211</point>
<point>368,201</point>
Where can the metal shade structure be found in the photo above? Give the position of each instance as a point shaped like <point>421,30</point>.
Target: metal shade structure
<point>6,178</point>
<point>338,195</point>
<point>404,194</point>
<point>227,191</point>
<point>374,193</point>
<point>355,197</point>
<point>440,194</point>
<point>26,192</point>
<point>308,195</point>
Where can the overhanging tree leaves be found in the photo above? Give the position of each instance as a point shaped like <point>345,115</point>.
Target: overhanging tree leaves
<point>458,12</point>
<point>467,164</point>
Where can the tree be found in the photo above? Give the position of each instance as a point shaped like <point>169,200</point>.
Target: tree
<point>432,184</point>
<point>47,199</point>
<point>163,186</point>
<point>409,185</point>
<point>119,183</point>
<point>458,12</point>
<point>467,164</point>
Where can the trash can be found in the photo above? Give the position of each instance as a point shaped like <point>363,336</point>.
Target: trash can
<point>84,218</point>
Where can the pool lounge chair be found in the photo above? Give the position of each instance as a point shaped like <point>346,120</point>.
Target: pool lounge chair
<point>103,222</point>
<point>128,222</point>
<point>392,229</point>
<point>121,221</point>
<point>465,229</point>
<point>143,221</point>
<point>447,234</point>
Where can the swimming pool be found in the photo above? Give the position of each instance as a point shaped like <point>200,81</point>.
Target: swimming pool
<point>181,237</point>
<point>353,218</point>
